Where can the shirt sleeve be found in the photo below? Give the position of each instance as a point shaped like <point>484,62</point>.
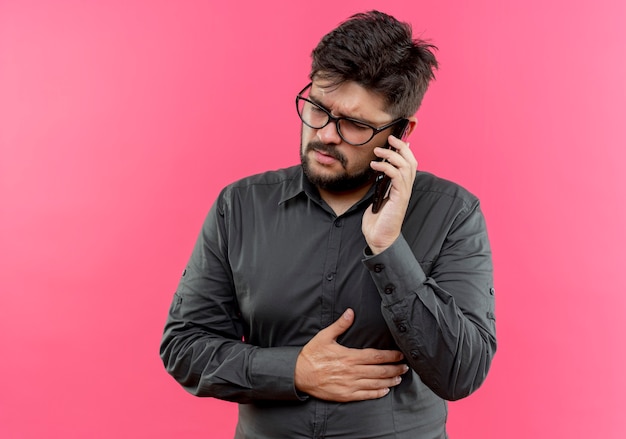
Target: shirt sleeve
<point>202,345</point>
<point>444,323</point>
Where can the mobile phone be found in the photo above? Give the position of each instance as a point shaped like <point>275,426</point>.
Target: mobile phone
<point>382,181</point>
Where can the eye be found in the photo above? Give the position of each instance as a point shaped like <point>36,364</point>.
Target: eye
<point>355,126</point>
<point>317,110</point>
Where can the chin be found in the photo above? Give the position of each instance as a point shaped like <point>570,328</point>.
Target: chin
<point>335,181</point>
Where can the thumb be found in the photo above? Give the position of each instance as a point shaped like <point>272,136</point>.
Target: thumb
<point>341,325</point>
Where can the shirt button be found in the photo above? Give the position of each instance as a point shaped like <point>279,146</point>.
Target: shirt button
<point>389,289</point>
<point>338,223</point>
<point>492,291</point>
<point>330,276</point>
<point>379,267</point>
<point>414,355</point>
<point>401,328</point>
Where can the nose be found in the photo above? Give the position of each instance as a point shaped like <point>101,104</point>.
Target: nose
<point>329,134</point>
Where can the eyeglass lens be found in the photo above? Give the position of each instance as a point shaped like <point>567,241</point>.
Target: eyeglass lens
<point>317,117</point>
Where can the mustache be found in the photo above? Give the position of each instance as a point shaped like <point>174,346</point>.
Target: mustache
<point>315,145</point>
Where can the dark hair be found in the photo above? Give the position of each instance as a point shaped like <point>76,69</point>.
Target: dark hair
<point>379,53</point>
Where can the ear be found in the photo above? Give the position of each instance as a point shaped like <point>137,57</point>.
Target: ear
<point>412,125</point>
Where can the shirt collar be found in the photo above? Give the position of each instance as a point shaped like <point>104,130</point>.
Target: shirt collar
<point>299,184</point>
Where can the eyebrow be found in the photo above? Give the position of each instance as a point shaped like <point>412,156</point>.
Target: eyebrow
<point>366,122</point>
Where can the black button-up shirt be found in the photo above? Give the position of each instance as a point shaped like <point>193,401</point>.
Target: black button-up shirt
<point>273,265</point>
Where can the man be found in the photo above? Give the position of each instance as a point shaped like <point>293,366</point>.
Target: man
<point>318,316</point>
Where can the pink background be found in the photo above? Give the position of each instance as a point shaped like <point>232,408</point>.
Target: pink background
<point>121,120</point>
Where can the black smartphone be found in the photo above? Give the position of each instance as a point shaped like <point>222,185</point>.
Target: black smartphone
<point>382,181</point>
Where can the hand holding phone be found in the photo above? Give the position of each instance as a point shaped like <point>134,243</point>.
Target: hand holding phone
<point>382,181</point>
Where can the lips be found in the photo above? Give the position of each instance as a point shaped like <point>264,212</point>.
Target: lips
<point>324,158</point>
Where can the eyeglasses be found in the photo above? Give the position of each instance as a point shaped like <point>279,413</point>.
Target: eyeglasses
<point>352,131</point>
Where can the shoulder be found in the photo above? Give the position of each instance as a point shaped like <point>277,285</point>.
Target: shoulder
<point>437,208</point>
<point>441,200</point>
<point>268,178</point>
<point>266,187</point>
<point>428,186</point>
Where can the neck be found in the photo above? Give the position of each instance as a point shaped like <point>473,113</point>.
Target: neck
<point>340,202</point>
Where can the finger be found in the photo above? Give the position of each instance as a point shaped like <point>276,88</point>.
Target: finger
<point>379,356</point>
<point>403,148</point>
<point>393,158</point>
<point>378,372</point>
<point>401,172</point>
<point>339,326</point>
<point>399,157</point>
<point>370,384</point>
<point>362,395</point>
<point>370,389</point>
<point>397,143</point>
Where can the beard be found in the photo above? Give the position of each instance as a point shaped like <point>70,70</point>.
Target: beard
<point>341,182</point>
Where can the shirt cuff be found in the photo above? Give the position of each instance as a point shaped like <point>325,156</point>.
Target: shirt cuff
<point>395,271</point>
<point>273,372</point>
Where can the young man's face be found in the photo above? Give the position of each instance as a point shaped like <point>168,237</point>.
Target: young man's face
<point>328,161</point>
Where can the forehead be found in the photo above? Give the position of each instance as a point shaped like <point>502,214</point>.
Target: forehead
<point>351,100</point>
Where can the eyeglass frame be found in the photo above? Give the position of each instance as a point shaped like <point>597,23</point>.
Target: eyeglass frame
<point>335,119</point>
